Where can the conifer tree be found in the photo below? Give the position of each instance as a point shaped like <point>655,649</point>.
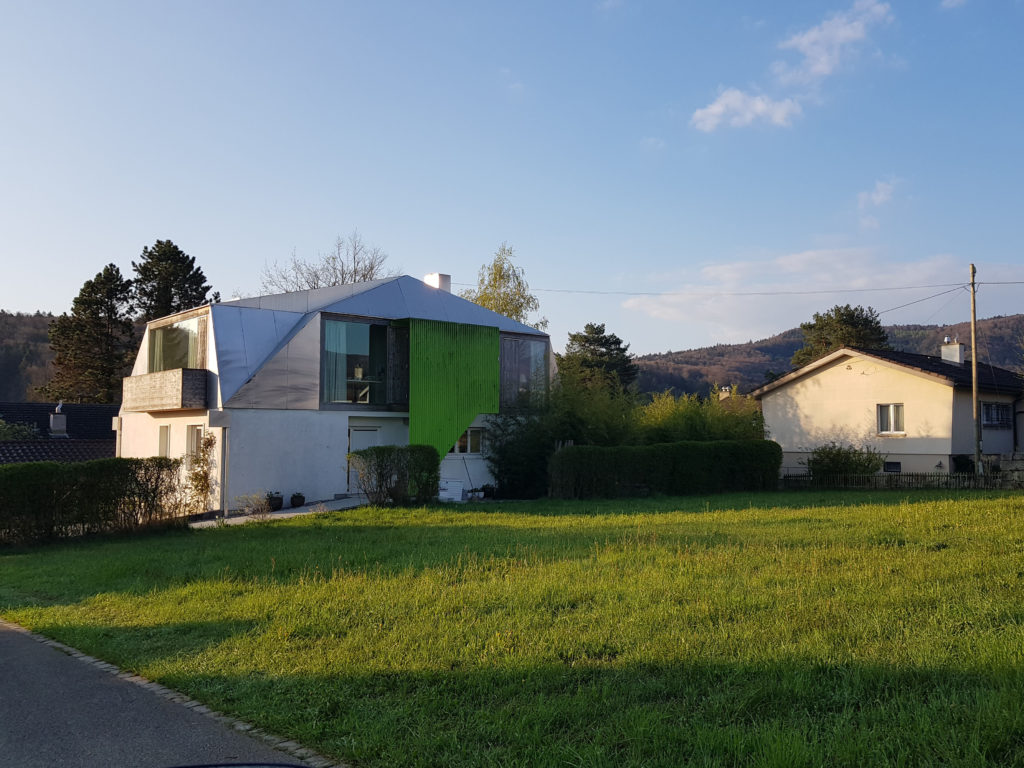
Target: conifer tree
<point>93,345</point>
<point>167,280</point>
<point>592,352</point>
<point>841,326</point>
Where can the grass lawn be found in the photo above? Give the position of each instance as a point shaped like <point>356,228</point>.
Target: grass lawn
<point>811,629</point>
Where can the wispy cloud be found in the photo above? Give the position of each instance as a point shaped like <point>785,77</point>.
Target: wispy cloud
<point>513,85</point>
<point>652,143</point>
<point>952,3</point>
<point>868,201</point>
<point>737,108</point>
<point>825,46</point>
<point>755,298</point>
<point>823,49</point>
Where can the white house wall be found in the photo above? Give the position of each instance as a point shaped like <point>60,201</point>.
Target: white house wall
<point>299,451</point>
<point>839,403</point>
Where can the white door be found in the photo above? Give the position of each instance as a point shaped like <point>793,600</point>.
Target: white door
<point>359,438</point>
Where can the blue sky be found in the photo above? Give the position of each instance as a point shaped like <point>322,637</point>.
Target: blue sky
<point>671,158</point>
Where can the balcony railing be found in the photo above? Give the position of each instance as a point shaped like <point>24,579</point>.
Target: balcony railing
<point>178,389</point>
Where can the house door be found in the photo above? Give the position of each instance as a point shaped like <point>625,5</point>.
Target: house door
<point>359,438</point>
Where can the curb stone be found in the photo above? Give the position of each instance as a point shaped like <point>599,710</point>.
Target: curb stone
<point>292,748</point>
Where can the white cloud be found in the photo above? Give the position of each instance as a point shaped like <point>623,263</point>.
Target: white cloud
<point>826,45</point>
<point>823,47</point>
<point>874,198</point>
<point>752,299</point>
<point>737,108</point>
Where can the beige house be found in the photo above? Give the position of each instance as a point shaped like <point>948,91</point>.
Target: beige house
<point>916,409</point>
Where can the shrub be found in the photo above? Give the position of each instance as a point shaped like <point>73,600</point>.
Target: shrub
<point>669,419</point>
<point>580,472</point>
<point>47,500</point>
<point>835,459</point>
<point>397,473</point>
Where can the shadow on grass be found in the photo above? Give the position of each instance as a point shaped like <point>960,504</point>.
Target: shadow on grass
<point>588,711</point>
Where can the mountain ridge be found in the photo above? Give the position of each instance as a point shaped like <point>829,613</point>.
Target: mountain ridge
<point>697,371</point>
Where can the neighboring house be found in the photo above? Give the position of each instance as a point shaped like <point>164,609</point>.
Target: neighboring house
<point>916,409</point>
<point>80,432</point>
<point>289,384</point>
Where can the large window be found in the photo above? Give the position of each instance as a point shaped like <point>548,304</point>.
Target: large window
<point>524,369</point>
<point>997,415</point>
<point>355,362</point>
<point>175,346</point>
<point>890,418</point>
<point>471,441</point>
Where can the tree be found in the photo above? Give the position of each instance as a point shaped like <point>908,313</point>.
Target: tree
<point>167,280</point>
<point>592,353</point>
<point>93,345</point>
<point>351,261</point>
<point>16,431</point>
<point>841,326</point>
<point>502,287</point>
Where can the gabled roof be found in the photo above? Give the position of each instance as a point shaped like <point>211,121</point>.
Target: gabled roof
<point>991,379</point>
<point>250,332</point>
<point>393,298</point>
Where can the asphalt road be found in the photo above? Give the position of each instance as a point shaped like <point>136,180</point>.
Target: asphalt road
<point>56,710</point>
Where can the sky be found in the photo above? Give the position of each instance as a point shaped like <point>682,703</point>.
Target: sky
<point>687,173</point>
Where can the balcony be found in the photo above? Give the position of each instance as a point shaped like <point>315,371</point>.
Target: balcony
<point>178,389</point>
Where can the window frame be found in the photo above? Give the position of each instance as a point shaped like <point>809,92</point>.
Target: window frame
<point>1004,422</point>
<point>466,440</point>
<point>895,414</point>
<point>386,384</point>
<point>510,386</point>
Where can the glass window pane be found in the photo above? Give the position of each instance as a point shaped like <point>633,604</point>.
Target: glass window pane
<point>474,440</point>
<point>174,346</point>
<point>897,417</point>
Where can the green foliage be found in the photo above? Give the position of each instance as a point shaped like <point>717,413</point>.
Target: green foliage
<point>199,475</point>
<point>592,353</point>
<point>834,459</point>
<point>717,466</point>
<point>815,629</point>
<point>398,473</point>
<point>502,288</point>
<point>167,280</point>
<point>841,326</point>
<point>40,501</point>
<point>668,419</point>
<point>25,354</point>
<point>16,431</point>
<point>93,345</point>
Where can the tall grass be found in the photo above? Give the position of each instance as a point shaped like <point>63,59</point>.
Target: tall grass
<point>808,629</point>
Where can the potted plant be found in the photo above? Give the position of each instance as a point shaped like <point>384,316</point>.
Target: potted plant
<point>298,499</point>
<point>275,500</point>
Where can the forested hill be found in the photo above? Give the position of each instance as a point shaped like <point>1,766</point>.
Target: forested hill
<point>1000,341</point>
<point>24,355</point>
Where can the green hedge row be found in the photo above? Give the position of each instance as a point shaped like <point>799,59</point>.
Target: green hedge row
<point>586,471</point>
<point>47,500</point>
<point>398,473</point>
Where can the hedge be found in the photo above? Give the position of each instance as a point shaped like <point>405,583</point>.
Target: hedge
<point>40,501</point>
<point>398,473</point>
<point>585,471</point>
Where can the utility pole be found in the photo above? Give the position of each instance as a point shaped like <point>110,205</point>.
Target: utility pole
<point>978,469</point>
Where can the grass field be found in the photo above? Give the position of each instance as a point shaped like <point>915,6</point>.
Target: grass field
<point>804,629</point>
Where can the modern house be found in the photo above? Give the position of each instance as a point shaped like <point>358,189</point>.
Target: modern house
<point>65,432</point>
<point>289,384</point>
<point>916,409</point>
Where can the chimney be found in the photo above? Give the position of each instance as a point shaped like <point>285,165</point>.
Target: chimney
<point>724,393</point>
<point>440,281</point>
<point>953,351</point>
<point>58,425</point>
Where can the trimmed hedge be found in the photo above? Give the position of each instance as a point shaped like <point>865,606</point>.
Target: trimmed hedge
<point>587,471</point>
<point>398,473</point>
<point>47,500</point>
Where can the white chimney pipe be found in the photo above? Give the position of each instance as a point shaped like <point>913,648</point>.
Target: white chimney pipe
<point>439,280</point>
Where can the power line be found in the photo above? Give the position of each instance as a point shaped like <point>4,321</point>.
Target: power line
<point>918,301</point>
<point>712,294</point>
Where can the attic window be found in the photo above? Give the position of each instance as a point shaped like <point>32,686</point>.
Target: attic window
<point>996,415</point>
<point>890,419</point>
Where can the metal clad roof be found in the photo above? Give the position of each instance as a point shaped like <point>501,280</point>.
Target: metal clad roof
<point>245,338</point>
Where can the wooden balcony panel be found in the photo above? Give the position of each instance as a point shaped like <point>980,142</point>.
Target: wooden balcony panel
<point>179,389</point>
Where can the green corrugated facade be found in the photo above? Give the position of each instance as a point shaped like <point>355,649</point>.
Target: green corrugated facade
<point>454,375</point>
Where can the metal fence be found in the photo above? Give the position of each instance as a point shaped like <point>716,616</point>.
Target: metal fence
<point>910,481</point>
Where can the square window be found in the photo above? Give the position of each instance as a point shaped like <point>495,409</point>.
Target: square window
<point>997,415</point>
<point>890,418</point>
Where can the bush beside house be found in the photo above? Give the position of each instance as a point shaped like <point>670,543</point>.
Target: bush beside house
<point>398,473</point>
<point>582,472</point>
<point>40,501</point>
